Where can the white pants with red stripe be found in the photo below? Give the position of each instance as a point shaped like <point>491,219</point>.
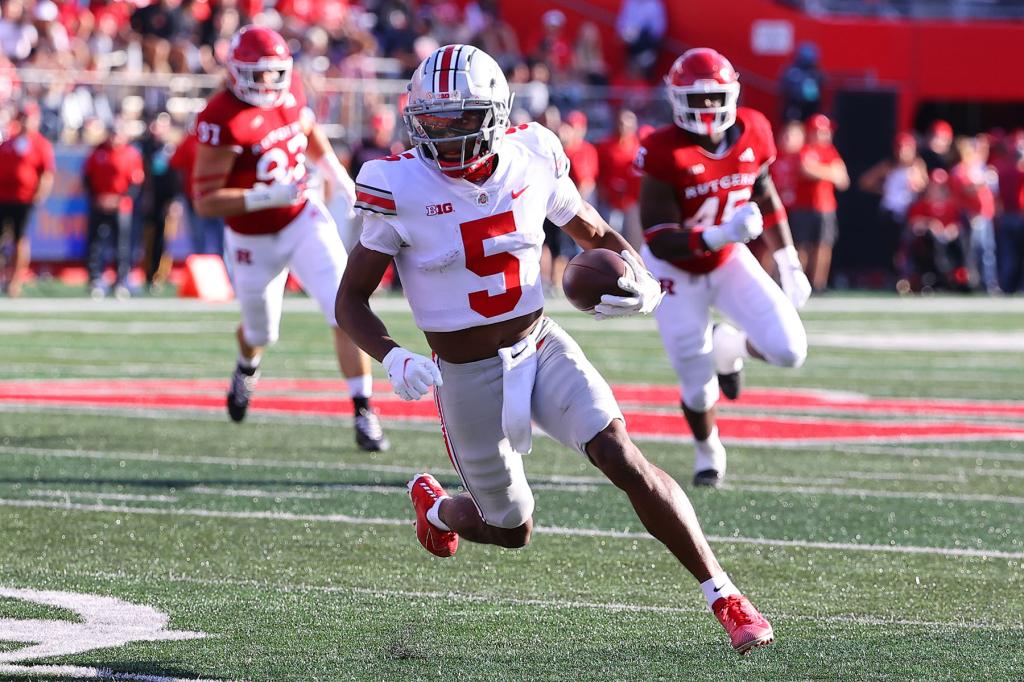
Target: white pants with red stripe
<point>571,401</point>
<point>742,291</point>
<point>309,246</point>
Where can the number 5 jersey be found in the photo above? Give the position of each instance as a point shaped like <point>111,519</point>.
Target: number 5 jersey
<point>468,254</point>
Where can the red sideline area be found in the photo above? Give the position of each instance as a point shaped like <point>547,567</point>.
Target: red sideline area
<point>326,397</point>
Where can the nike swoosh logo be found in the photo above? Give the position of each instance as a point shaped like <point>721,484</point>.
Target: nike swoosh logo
<point>516,195</point>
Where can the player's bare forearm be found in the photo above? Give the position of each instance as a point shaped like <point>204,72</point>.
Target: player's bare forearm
<point>221,203</point>
<point>352,306</point>
<point>766,196</point>
<point>588,229</point>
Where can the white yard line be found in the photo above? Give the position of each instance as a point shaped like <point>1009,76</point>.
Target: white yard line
<point>547,530</point>
<point>120,497</point>
<point>558,482</point>
<point>86,672</point>
<point>514,601</point>
<point>51,326</point>
<point>895,494</point>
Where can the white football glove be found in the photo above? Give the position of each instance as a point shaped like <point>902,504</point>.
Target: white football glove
<point>411,375</point>
<point>275,195</point>
<point>646,290</point>
<point>791,275</point>
<point>745,224</point>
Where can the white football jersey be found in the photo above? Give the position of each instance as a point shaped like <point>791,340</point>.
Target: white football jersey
<point>468,254</point>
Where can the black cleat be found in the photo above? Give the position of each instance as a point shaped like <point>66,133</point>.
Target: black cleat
<point>731,384</point>
<point>708,478</point>
<point>369,434</point>
<point>243,381</point>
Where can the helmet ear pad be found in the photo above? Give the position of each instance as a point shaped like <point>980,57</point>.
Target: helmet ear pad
<point>458,78</point>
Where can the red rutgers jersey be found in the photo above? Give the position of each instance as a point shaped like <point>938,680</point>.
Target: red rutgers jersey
<point>271,147</point>
<point>710,186</point>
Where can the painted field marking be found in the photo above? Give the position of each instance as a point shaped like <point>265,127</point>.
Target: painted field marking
<point>106,622</point>
<point>292,588</point>
<point>548,530</point>
<point>120,497</point>
<point>86,672</point>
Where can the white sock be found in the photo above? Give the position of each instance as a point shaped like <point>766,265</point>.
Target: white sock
<point>435,520</point>
<point>710,453</point>
<point>361,386</point>
<point>716,587</point>
<point>249,363</point>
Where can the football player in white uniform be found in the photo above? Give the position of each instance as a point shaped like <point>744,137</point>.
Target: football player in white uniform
<point>461,215</point>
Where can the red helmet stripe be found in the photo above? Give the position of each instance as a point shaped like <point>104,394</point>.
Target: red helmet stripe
<point>446,69</point>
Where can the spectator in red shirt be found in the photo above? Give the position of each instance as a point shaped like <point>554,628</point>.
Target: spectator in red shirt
<point>932,256</point>
<point>971,181</point>
<point>26,178</point>
<point>112,176</point>
<point>813,219</point>
<point>618,184</point>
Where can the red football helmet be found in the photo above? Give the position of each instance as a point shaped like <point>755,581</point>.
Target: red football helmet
<point>699,72</point>
<point>256,51</point>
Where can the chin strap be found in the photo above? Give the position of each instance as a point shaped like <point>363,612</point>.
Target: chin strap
<point>478,172</point>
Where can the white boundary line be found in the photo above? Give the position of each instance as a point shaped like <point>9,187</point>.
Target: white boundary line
<point>86,672</point>
<point>541,603</point>
<point>546,530</point>
<point>752,483</point>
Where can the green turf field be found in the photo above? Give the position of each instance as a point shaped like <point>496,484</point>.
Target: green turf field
<point>294,553</point>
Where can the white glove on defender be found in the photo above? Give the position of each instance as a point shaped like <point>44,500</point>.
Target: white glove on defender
<point>411,375</point>
<point>745,224</point>
<point>274,196</point>
<point>791,275</point>
<point>646,290</point>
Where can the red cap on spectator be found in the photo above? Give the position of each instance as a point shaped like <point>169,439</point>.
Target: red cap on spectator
<point>905,139</point>
<point>577,119</point>
<point>940,128</point>
<point>819,122</point>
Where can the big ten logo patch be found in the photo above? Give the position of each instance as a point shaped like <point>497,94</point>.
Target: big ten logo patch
<point>439,209</point>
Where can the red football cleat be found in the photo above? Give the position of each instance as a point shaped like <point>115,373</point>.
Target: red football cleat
<point>746,626</point>
<point>424,491</point>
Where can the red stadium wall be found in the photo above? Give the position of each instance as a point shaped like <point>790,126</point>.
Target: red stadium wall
<point>921,60</point>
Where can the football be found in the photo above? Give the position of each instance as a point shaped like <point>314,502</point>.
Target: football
<point>591,274</point>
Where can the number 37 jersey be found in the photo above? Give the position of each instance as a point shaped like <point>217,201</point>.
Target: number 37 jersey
<point>270,145</point>
<point>468,254</point>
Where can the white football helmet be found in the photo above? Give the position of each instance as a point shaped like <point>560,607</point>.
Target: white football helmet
<point>458,109</point>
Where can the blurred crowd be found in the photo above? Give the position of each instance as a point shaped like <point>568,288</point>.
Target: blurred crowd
<point>954,207</point>
<point>951,205</point>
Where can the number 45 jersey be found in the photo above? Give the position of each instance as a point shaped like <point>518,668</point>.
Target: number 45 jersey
<point>468,254</point>
<point>270,145</point>
<point>709,186</point>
